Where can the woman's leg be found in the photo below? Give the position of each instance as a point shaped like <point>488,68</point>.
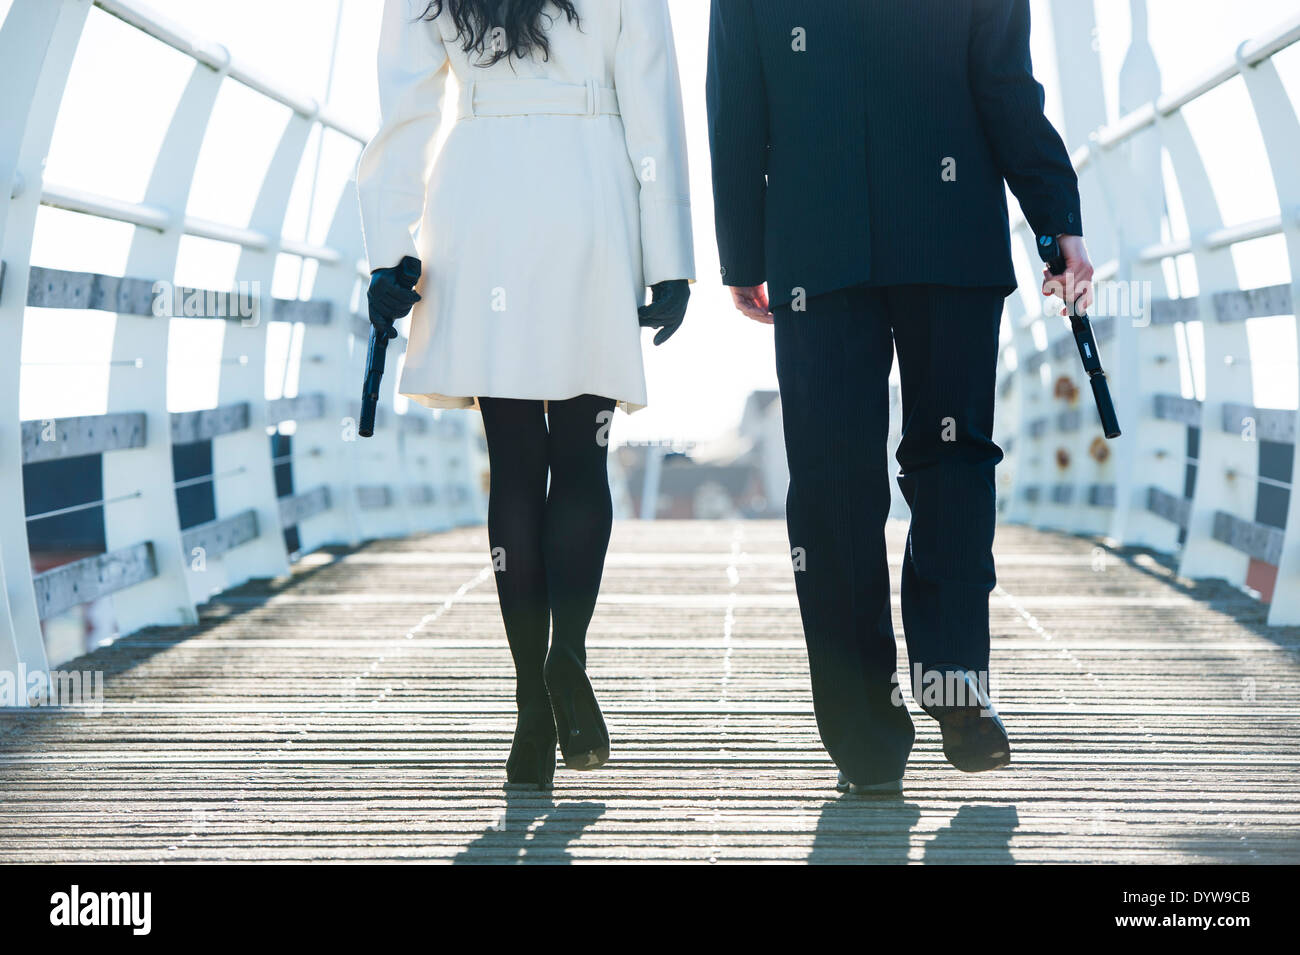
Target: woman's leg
<point>517,449</point>
<point>579,514</point>
<point>578,518</point>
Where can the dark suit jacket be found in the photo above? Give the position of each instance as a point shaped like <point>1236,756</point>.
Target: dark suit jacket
<point>867,141</point>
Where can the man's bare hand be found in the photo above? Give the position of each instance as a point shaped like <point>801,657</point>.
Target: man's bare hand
<point>1075,283</point>
<point>752,302</point>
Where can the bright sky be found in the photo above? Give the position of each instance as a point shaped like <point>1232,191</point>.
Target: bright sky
<point>124,86</point>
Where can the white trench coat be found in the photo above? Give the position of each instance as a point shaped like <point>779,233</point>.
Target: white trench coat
<point>559,195</point>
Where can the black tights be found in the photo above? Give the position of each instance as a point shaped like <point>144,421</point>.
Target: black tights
<point>548,546</point>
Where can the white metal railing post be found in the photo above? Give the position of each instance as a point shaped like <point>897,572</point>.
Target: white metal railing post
<point>476,467</point>
<point>1083,102</point>
<point>245,455</point>
<point>38,41</point>
<point>1224,461</point>
<point>138,381</point>
<point>1281,132</point>
<point>1143,356</point>
<point>1130,174</point>
<point>381,465</point>
<point>1007,428</point>
<point>453,433</point>
<point>472,507</point>
<point>440,442</point>
<point>1030,466</point>
<point>324,449</point>
<point>418,468</point>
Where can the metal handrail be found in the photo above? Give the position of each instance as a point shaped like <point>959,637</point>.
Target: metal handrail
<point>218,58</point>
<point>1249,53</point>
<point>149,21</point>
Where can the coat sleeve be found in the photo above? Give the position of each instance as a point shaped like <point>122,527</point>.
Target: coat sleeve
<point>1028,149</point>
<point>738,138</point>
<point>394,168</point>
<point>650,99</point>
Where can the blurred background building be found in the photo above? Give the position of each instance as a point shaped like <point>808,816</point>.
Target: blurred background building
<point>740,474</point>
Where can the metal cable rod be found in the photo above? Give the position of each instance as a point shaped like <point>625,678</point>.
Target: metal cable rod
<point>296,456</point>
<point>84,507</point>
<point>233,360</point>
<point>208,478</point>
<point>1233,474</point>
<point>119,362</point>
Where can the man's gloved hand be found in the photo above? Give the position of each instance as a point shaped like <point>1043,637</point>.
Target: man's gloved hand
<point>667,308</point>
<point>392,295</point>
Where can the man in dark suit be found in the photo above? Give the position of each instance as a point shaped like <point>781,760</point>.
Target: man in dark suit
<point>860,151</point>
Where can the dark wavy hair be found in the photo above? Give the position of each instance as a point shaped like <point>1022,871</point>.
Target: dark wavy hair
<point>522,25</point>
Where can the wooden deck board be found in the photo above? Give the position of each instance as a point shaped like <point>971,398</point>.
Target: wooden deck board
<point>362,711</point>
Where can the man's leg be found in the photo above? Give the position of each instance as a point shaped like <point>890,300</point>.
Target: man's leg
<point>947,341</point>
<point>833,364</point>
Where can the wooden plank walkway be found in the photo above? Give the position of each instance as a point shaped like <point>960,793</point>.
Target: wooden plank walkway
<point>362,711</point>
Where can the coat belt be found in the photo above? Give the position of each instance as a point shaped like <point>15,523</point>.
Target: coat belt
<point>536,98</point>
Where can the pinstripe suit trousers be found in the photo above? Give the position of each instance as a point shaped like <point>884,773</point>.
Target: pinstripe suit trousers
<point>833,364</point>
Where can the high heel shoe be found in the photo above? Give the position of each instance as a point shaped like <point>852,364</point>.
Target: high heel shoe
<point>531,765</point>
<point>583,736</point>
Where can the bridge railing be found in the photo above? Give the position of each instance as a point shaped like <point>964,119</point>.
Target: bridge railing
<point>286,475</point>
<point>1200,471</point>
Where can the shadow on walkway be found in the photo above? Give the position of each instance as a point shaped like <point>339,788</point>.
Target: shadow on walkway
<point>878,831</point>
<point>978,834</point>
<point>864,829</point>
<point>1212,593</point>
<point>533,828</point>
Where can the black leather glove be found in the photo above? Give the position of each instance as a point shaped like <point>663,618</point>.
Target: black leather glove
<point>667,308</point>
<point>392,294</point>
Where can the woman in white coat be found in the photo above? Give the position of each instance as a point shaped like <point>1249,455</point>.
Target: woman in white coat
<point>560,193</point>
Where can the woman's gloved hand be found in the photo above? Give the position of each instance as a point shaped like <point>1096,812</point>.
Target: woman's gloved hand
<point>667,308</point>
<point>392,294</point>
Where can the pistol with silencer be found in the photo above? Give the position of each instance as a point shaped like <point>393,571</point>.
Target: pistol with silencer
<point>408,273</point>
<point>1049,250</point>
